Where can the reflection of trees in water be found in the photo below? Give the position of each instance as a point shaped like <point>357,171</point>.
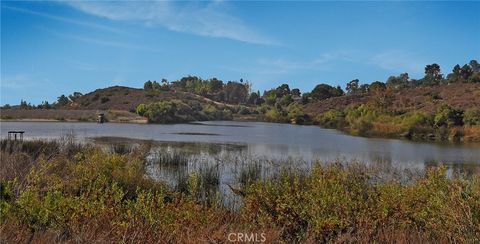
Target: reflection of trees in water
<point>381,160</point>
<point>455,168</point>
<point>211,167</point>
<point>202,148</point>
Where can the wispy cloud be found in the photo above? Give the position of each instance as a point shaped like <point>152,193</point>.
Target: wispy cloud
<point>21,81</point>
<point>103,42</point>
<point>80,65</point>
<point>321,63</point>
<point>64,19</point>
<point>400,61</point>
<point>199,18</point>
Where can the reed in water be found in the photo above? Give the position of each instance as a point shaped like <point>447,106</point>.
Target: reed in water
<point>56,192</point>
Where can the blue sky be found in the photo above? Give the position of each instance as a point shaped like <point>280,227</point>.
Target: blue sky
<point>53,48</point>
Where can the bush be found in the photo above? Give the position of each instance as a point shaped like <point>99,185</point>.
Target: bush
<point>162,112</point>
<point>244,110</point>
<point>273,115</point>
<point>472,116</point>
<point>335,201</point>
<point>331,119</point>
<point>141,109</point>
<point>416,119</point>
<point>447,116</point>
<point>362,112</point>
<point>95,196</point>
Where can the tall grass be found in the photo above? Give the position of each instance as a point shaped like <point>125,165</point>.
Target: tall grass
<point>121,148</point>
<point>95,196</point>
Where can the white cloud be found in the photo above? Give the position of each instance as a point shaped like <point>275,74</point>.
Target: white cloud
<point>197,18</point>
<point>103,42</point>
<point>64,19</point>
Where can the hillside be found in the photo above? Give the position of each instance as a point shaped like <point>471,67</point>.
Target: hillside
<point>443,112</point>
<point>447,112</point>
<point>427,99</point>
<point>127,98</point>
<point>118,103</point>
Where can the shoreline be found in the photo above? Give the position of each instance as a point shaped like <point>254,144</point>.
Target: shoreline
<point>372,134</point>
<point>135,121</point>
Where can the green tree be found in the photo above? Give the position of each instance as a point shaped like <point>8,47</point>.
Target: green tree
<point>148,85</point>
<point>475,66</point>
<point>216,85</point>
<point>447,116</point>
<point>62,100</point>
<point>456,74</point>
<point>282,90</point>
<point>432,75</point>
<point>466,72</point>
<point>377,86</point>
<point>44,105</point>
<point>296,92</point>
<point>255,99</point>
<point>156,86</point>
<point>235,92</point>
<point>162,112</point>
<point>24,105</point>
<point>352,86</point>
<point>398,82</point>
<point>364,88</point>
<point>324,91</point>
<point>75,96</point>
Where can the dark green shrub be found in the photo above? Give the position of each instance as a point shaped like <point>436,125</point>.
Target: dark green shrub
<point>472,116</point>
<point>447,116</point>
<point>243,110</point>
<point>331,119</point>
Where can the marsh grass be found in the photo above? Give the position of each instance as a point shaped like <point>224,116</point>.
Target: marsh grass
<point>250,173</point>
<point>208,184</point>
<point>85,194</point>
<point>169,158</point>
<point>121,149</point>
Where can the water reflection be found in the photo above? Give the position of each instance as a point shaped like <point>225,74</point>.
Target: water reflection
<point>264,140</point>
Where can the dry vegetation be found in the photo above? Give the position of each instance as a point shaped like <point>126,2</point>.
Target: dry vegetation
<point>65,192</point>
<point>69,115</point>
<point>426,99</point>
<point>127,99</point>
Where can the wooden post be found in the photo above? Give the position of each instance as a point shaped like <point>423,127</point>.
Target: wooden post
<point>16,135</point>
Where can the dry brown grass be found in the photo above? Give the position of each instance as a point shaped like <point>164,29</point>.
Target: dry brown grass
<point>467,133</point>
<point>427,99</point>
<point>387,128</point>
<point>49,114</point>
<point>69,115</point>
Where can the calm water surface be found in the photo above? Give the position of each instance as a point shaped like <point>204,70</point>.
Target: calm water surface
<point>266,140</point>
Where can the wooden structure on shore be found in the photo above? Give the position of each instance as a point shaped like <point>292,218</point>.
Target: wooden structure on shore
<point>101,118</point>
<point>16,134</point>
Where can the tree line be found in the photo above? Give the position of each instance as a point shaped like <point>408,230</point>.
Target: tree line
<point>239,92</point>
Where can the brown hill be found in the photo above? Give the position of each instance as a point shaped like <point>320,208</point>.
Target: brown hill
<point>126,98</point>
<point>428,99</point>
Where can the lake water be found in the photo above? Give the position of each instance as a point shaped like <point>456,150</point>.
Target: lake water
<point>222,153</point>
<point>267,140</point>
